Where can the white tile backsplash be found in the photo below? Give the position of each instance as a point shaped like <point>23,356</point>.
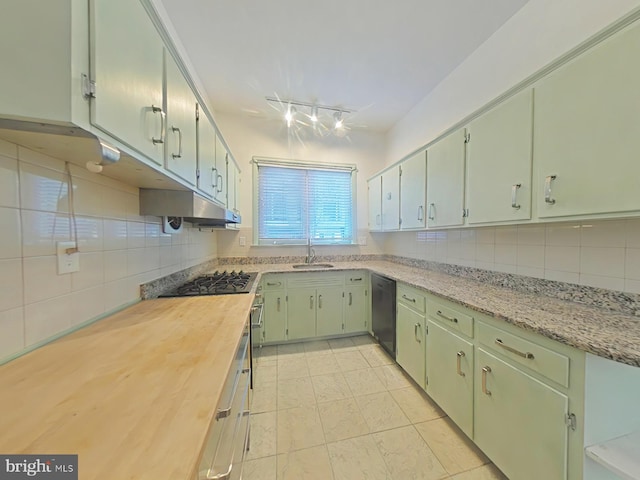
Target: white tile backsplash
<point>603,253</point>
<point>119,249</point>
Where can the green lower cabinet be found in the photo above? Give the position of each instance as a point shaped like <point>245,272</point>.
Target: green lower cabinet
<point>274,321</point>
<point>329,311</point>
<point>410,343</point>
<point>301,313</point>
<point>519,421</point>
<point>356,313</point>
<point>450,374</point>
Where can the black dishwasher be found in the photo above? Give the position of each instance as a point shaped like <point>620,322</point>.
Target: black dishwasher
<point>383,312</point>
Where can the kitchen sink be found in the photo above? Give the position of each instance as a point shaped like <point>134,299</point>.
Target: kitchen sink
<point>313,265</point>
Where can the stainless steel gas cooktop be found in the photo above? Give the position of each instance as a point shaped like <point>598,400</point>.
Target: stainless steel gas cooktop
<point>215,284</point>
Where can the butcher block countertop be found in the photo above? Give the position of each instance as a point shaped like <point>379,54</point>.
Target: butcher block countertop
<point>132,394</point>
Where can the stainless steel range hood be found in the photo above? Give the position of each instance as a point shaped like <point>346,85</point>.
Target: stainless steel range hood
<point>186,204</point>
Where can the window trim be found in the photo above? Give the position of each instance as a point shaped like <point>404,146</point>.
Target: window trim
<point>303,165</point>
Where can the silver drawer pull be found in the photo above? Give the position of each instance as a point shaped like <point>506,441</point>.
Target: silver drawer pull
<point>432,207</point>
<point>350,298</point>
<point>459,356</point>
<point>359,279</point>
<point>319,301</point>
<point>274,284</point>
<point>415,332</point>
<point>547,189</point>
<point>485,370</point>
<point>420,213</point>
<point>410,299</point>
<point>440,314</point>
<point>513,350</point>
<point>223,476</point>
<point>278,304</point>
<point>514,196</point>
<point>179,154</point>
<point>223,413</point>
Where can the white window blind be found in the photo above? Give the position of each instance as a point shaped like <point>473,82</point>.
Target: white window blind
<point>300,203</point>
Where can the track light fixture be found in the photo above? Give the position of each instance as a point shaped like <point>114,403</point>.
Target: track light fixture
<point>324,119</point>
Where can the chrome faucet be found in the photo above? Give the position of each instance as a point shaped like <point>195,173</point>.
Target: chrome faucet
<point>311,253</point>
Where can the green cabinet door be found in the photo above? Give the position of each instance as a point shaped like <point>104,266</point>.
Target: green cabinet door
<point>181,124</point>
<point>375,203</point>
<point>445,181</point>
<point>450,374</point>
<point>519,422</point>
<point>410,343</point>
<point>301,313</point>
<point>329,311</point>
<point>356,313</point>
<point>499,162</point>
<point>587,129</point>
<point>413,187</point>
<point>127,63</point>
<point>274,316</point>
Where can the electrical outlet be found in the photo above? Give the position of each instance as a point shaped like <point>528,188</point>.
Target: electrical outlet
<point>67,262</point>
<point>243,241</point>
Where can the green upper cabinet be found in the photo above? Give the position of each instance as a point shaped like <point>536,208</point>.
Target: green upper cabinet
<point>499,162</point>
<point>391,199</point>
<point>220,190</point>
<point>375,203</point>
<point>445,181</point>
<point>181,124</point>
<point>413,186</point>
<point>206,155</point>
<point>127,63</point>
<point>586,132</point>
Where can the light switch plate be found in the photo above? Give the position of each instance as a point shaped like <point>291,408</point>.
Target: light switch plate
<point>67,262</point>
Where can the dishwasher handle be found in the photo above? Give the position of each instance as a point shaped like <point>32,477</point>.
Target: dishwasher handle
<point>254,309</point>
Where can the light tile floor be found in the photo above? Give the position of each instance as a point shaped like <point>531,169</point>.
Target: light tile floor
<point>342,409</point>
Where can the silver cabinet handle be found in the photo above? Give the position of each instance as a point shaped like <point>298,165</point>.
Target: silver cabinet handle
<point>547,189</point>
<point>225,475</point>
<point>350,298</point>
<point>278,304</point>
<point>359,279</point>
<point>214,178</point>
<point>451,319</point>
<point>163,117</point>
<point>528,355</point>
<point>420,213</point>
<point>514,195</point>
<point>415,332</point>
<point>219,183</point>
<point>319,301</point>
<point>432,208</point>
<point>179,154</point>
<point>311,302</point>
<point>274,284</point>
<point>407,298</point>
<point>485,370</point>
<point>459,356</point>
<point>378,216</point>
<point>254,309</point>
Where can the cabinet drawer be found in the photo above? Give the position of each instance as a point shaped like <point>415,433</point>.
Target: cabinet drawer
<point>454,318</point>
<point>355,278</point>
<point>411,297</point>
<point>273,282</point>
<point>548,363</point>
<point>304,280</point>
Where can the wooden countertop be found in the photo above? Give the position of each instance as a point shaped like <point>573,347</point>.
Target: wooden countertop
<point>132,394</point>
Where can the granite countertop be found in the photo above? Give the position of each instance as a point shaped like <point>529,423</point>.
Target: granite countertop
<point>594,330</point>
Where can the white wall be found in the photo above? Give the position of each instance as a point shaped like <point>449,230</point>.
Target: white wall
<point>539,33</point>
<point>119,249</point>
<point>256,136</point>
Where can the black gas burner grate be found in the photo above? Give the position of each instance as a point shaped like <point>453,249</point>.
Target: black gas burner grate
<point>218,283</point>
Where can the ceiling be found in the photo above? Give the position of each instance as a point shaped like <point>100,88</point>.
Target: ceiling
<point>377,57</point>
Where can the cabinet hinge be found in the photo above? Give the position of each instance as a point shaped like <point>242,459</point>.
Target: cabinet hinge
<point>342,294</point>
<point>197,173</point>
<point>426,380</point>
<point>88,87</point>
<point>467,138</point>
<point>570,420</point>
<point>400,221</point>
<point>426,330</point>
<point>465,212</point>
<point>400,171</point>
<point>197,112</point>
<point>286,332</point>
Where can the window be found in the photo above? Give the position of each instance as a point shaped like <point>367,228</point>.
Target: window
<point>301,201</point>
